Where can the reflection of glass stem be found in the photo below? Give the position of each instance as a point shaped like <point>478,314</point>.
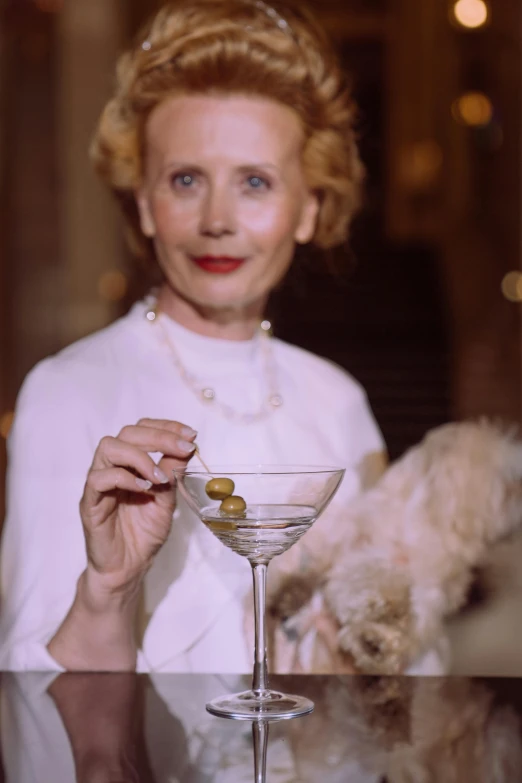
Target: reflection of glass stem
<point>260,738</point>
<point>260,679</point>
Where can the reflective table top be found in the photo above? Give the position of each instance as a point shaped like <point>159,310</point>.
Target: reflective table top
<point>111,728</point>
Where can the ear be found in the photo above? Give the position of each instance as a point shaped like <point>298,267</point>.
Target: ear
<point>146,220</point>
<point>308,219</point>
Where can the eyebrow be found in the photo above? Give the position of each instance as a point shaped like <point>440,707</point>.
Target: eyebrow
<point>179,164</point>
<point>249,166</point>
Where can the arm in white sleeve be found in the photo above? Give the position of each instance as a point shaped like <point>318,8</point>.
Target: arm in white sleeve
<point>43,550</point>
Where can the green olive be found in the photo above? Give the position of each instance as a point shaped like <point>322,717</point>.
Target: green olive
<point>219,488</point>
<point>225,527</point>
<point>233,505</point>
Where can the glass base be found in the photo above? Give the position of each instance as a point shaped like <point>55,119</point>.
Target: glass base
<point>273,706</point>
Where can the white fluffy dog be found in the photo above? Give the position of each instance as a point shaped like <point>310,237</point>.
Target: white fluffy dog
<point>377,585</point>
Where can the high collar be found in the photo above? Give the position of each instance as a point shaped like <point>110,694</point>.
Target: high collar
<point>197,350</point>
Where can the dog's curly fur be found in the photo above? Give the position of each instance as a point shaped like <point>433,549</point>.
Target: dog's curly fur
<point>400,559</point>
<point>409,730</point>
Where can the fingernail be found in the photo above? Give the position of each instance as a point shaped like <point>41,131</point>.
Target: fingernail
<point>143,483</point>
<point>188,432</point>
<point>161,476</point>
<point>186,448</point>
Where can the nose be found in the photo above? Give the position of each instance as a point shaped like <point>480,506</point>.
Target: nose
<point>217,213</point>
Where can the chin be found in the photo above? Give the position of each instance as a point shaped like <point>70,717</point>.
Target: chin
<point>222,300</point>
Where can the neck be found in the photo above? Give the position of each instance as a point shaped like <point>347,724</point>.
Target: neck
<point>224,323</point>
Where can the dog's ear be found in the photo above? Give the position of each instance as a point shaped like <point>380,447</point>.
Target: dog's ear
<point>371,468</point>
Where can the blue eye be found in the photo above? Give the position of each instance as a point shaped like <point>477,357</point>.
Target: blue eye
<point>183,181</point>
<point>258,183</point>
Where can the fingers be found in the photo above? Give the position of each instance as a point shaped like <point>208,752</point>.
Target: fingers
<point>168,437</point>
<point>113,452</point>
<point>169,466</point>
<point>150,439</point>
<point>132,446</point>
<point>116,478</point>
<point>125,463</point>
<point>173,426</point>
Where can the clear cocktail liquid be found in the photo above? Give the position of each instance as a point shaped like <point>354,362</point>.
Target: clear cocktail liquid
<point>263,531</point>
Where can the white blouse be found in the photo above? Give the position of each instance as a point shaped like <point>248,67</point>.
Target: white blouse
<point>195,589</point>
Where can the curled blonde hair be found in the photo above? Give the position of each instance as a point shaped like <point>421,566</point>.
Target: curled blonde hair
<point>275,51</point>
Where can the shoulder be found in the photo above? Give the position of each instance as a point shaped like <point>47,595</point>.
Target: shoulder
<point>66,401</point>
<point>100,348</point>
<point>83,369</point>
<point>320,374</point>
<point>334,398</point>
<point>70,400</point>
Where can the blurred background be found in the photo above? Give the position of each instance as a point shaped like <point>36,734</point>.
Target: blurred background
<point>423,308</point>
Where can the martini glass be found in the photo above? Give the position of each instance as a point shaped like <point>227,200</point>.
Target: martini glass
<point>260,742</point>
<point>282,503</point>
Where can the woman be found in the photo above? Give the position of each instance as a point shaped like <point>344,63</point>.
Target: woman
<point>229,140</point>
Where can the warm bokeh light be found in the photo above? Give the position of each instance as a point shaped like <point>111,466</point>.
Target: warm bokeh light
<point>6,421</point>
<point>420,164</point>
<point>471,13</point>
<point>112,285</point>
<point>473,108</point>
<point>512,286</point>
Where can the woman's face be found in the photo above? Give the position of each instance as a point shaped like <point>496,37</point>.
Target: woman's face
<point>224,196</point>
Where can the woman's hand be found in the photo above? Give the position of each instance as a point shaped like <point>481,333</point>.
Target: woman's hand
<point>126,511</point>
<point>128,501</point>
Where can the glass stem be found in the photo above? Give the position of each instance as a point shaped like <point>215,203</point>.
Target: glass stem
<point>260,679</point>
<point>260,738</point>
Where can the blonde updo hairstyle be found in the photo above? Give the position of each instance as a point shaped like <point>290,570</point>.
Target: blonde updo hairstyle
<point>275,51</point>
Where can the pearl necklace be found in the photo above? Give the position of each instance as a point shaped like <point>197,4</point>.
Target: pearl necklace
<point>207,394</point>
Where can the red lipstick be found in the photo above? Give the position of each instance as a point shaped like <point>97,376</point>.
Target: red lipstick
<point>218,265</point>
